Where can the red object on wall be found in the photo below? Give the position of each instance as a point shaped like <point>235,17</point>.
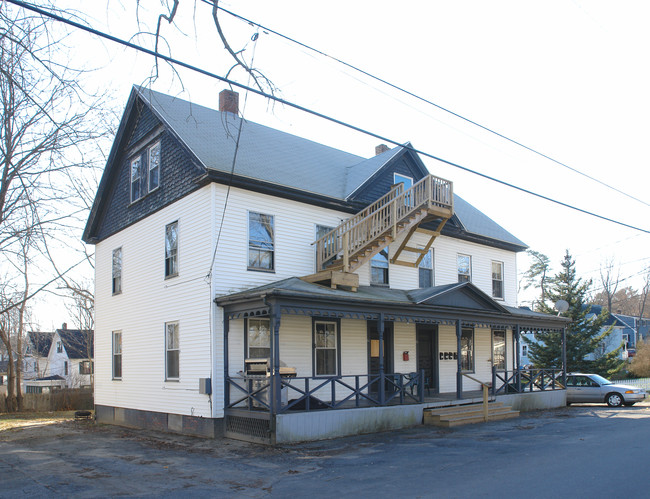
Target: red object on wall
<point>405,356</point>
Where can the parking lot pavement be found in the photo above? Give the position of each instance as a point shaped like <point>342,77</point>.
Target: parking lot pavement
<point>581,451</point>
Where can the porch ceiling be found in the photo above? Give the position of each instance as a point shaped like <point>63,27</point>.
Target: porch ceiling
<point>436,305</point>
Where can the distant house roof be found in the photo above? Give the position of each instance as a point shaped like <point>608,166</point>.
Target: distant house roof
<point>41,343</point>
<point>78,343</point>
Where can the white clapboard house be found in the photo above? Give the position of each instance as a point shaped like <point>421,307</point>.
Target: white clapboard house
<point>258,284</point>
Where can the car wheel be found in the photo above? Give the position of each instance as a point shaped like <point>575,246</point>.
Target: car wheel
<point>614,399</point>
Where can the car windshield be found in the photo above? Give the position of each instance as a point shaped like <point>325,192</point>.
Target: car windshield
<point>600,379</point>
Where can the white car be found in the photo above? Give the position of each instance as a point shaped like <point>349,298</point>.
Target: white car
<point>594,388</point>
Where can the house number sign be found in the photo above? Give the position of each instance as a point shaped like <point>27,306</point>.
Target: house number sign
<point>448,356</point>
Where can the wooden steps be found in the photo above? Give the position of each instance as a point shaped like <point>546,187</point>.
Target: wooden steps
<point>467,414</point>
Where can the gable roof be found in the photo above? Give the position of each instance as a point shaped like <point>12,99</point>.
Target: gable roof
<point>75,342</point>
<point>41,342</point>
<point>279,159</point>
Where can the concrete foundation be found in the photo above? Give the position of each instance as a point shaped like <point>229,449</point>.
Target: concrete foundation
<point>533,401</point>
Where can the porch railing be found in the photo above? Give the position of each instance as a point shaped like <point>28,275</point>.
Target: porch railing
<point>336,392</point>
<point>526,380</point>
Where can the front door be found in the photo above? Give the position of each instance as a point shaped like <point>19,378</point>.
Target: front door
<point>373,351</point>
<point>427,356</point>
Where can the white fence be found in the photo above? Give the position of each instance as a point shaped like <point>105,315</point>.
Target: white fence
<point>639,382</point>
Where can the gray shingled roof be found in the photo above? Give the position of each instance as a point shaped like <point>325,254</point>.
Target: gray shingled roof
<point>287,160</point>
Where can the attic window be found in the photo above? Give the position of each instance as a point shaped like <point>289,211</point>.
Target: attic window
<point>145,172</point>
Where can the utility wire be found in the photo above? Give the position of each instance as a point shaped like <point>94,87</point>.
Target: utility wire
<point>427,101</point>
<point>185,65</point>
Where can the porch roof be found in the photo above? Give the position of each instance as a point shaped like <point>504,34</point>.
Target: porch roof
<point>438,305</point>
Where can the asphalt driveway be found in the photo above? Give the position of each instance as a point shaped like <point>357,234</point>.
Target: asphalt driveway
<point>582,451</point>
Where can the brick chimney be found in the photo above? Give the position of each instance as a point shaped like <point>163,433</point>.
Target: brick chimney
<point>380,149</point>
<point>229,101</point>
<point>64,326</point>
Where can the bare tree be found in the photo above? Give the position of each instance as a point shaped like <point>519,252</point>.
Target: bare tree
<point>609,279</point>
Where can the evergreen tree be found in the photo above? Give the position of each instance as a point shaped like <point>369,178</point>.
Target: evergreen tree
<point>584,334</point>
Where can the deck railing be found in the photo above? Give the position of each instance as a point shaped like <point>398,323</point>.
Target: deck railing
<point>526,380</point>
<point>382,217</point>
<point>336,392</point>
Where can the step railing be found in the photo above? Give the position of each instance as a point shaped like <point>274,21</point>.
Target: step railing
<point>486,387</point>
<point>381,218</point>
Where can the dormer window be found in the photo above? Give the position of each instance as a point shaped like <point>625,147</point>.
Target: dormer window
<point>145,172</point>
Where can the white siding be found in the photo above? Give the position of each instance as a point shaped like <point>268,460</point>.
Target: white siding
<point>148,301</point>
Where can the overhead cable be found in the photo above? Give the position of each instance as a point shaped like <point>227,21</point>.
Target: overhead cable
<point>279,100</point>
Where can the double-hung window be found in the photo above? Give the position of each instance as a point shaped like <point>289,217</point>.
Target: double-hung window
<point>117,354</point>
<point>171,250</point>
<point>499,349</point>
<point>326,342</point>
<point>464,268</point>
<point>172,351</point>
<point>425,270</point>
<point>117,271</point>
<point>261,246</point>
<point>467,350</point>
<point>497,280</point>
<point>258,339</point>
<point>145,172</point>
<point>379,268</point>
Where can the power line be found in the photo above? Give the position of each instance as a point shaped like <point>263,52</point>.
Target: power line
<point>427,101</point>
<point>287,103</point>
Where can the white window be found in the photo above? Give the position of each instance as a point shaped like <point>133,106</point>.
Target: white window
<point>117,271</point>
<point>464,268</point>
<point>172,352</point>
<point>425,269</point>
<point>499,350</point>
<point>497,280</point>
<point>325,348</point>
<point>171,250</point>
<point>154,166</point>
<point>59,347</point>
<point>403,179</point>
<point>467,350</point>
<point>524,350</point>
<point>321,230</point>
<point>258,339</point>
<point>145,172</point>
<point>260,242</point>
<point>379,268</point>
<point>117,354</point>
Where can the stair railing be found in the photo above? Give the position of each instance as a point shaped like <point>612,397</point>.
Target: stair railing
<point>486,388</point>
<point>381,216</point>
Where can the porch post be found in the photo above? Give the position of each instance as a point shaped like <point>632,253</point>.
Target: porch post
<point>517,337</point>
<point>276,400</point>
<point>226,329</point>
<point>564,366</point>
<point>382,387</point>
<point>459,362</point>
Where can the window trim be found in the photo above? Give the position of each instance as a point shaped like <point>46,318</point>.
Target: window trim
<point>469,274</point>
<point>398,181</point>
<point>173,258</point>
<point>505,348</point>
<point>145,170</point>
<point>337,325</point>
<point>250,247</point>
<point>385,269</point>
<point>246,332</point>
<point>115,354</point>
<point>472,367</point>
<point>177,350</point>
<point>116,281</point>
<point>503,294</point>
<point>317,237</point>
<point>86,367</point>
<point>430,269</point>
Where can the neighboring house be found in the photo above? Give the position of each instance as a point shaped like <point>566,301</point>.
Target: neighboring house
<point>66,353</point>
<point>625,330</point>
<point>243,273</point>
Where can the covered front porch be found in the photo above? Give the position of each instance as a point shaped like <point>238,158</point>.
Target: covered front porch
<point>371,352</point>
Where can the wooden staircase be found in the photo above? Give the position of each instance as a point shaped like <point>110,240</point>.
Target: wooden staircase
<point>467,414</point>
<point>397,214</point>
